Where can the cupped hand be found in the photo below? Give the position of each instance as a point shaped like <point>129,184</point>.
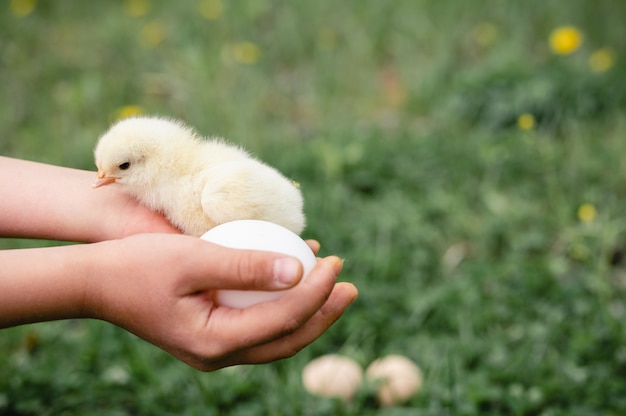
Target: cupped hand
<point>162,289</point>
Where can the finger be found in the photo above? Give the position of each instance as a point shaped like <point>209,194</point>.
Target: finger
<point>342,296</point>
<point>265,322</point>
<point>314,245</point>
<point>227,268</point>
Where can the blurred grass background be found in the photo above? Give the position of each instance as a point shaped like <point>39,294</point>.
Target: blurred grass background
<point>471,173</point>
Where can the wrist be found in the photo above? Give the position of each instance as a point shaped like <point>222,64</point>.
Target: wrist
<point>100,279</point>
<point>43,284</point>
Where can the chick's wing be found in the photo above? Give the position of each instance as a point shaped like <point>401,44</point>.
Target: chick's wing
<point>248,189</point>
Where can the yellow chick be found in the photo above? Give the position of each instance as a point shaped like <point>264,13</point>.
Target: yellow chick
<point>196,183</point>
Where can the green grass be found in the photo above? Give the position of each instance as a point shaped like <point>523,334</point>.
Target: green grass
<point>399,119</point>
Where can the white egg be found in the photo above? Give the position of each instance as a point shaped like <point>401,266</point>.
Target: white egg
<point>264,236</point>
<point>398,379</point>
<point>332,375</point>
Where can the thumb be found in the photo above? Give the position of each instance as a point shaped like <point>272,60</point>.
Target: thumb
<point>248,270</point>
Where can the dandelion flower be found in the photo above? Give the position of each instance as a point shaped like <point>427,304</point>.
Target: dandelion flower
<point>526,122</point>
<point>485,34</point>
<point>128,111</point>
<point>22,8</point>
<point>152,34</point>
<point>565,40</point>
<point>246,53</point>
<point>136,8</point>
<point>602,60</point>
<point>587,213</point>
<point>211,9</point>
<point>327,38</point>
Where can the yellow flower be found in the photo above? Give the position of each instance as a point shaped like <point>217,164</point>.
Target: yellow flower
<point>22,8</point>
<point>602,60</point>
<point>136,8</point>
<point>152,34</point>
<point>128,111</point>
<point>246,52</point>
<point>526,122</point>
<point>485,34</point>
<point>327,38</point>
<point>587,213</point>
<point>565,40</point>
<point>211,9</point>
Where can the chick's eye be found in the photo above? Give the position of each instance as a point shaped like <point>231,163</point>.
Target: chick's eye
<point>124,165</point>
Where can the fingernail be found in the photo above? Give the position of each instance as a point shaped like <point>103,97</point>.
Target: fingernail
<point>287,271</point>
<point>338,265</point>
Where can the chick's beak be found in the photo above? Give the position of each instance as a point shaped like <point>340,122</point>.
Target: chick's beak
<point>102,179</point>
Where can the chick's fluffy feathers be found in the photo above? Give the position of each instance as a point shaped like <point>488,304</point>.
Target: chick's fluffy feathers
<point>196,183</point>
